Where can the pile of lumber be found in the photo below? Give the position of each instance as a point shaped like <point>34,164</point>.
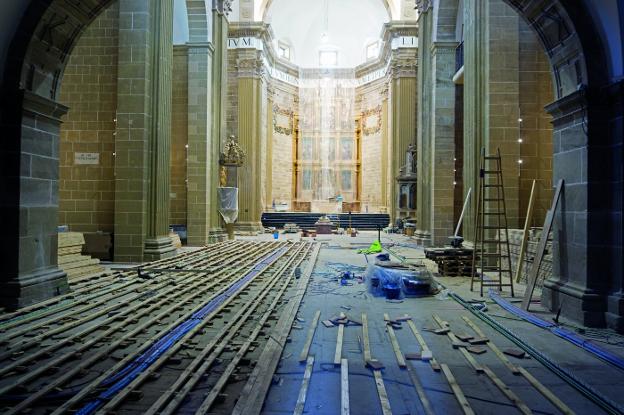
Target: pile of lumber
<point>515,240</point>
<point>452,262</point>
<point>70,258</point>
<point>291,228</point>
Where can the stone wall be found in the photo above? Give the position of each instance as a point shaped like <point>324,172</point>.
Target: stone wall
<point>369,99</point>
<point>536,149</point>
<point>281,180</point>
<point>179,136</point>
<point>89,89</point>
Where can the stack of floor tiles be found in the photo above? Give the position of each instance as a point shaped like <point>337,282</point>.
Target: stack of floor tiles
<point>515,239</point>
<point>70,258</point>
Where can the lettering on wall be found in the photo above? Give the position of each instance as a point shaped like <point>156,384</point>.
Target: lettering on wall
<point>87,158</point>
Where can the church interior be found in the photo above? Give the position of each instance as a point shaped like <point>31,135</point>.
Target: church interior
<point>312,206</point>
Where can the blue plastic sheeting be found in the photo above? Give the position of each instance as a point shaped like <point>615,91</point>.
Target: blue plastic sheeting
<point>125,376</point>
<point>563,333</point>
<point>385,282</point>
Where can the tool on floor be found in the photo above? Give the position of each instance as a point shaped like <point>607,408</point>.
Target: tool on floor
<point>491,249</point>
<point>456,240</point>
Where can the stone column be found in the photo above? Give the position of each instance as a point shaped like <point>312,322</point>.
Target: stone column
<point>29,203</point>
<point>219,96</point>
<point>403,94</point>
<point>250,85</point>
<point>423,138</point>
<point>443,142</point>
<point>386,181</point>
<point>582,261</point>
<point>475,101</point>
<point>206,128</point>
<point>200,153</point>
<point>268,199</point>
<point>143,132</point>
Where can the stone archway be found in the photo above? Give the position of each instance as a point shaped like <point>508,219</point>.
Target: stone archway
<point>588,230</point>
<point>392,7</point>
<point>30,118</point>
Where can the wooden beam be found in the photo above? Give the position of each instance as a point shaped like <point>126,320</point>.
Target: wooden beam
<point>424,349</point>
<point>382,393</point>
<point>454,340</point>
<point>338,353</point>
<point>522,407</point>
<point>303,392</point>
<point>365,340</point>
<point>525,235</point>
<point>565,409</point>
<point>344,387</point>
<point>306,347</point>
<point>541,248</point>
<point>459,395</point>
<point>395,343</point>
<point>513,368</point>
<point>419,390</point>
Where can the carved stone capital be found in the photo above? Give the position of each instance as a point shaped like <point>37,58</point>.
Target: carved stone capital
<point>222,6</point>
<point>250,68</point>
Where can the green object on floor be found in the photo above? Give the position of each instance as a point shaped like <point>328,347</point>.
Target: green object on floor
<point>373,249</point>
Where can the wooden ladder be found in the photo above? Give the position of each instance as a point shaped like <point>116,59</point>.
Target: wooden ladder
<point>491,252</point>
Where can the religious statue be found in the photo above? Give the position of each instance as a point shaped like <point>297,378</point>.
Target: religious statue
<point>223,176</point>
<point>232,155</point>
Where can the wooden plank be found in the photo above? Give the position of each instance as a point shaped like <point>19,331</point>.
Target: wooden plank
<point>425,352</point>
<point>459,395</point>
<point>382,393</point>
<point>525,235</point>
<point>365,340</point>
<point>522,407</point>
<point>565,409</point>
<point>395,343</point>
<point>258,383</point>
<point>344,387</point>
<point>455,340</point>
<point>338,353</point>
<point>303,392</point>
<point>513,368</point>
<point>419,390</point>
<point>303,357</point>
<point>541,248</point>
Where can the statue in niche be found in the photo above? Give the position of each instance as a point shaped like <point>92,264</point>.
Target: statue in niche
<point>223,176</point>
<point>233,155</point>
<point>409,160</point>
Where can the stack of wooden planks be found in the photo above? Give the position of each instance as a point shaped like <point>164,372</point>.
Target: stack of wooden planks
<point>452,262</point>
<point>515,240</point>
<point>70,258</point>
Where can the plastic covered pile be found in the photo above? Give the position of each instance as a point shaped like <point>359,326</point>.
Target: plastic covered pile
<point>393,281</point>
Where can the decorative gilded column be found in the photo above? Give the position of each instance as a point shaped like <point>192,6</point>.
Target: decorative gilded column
<point>143,132</point>
<point>250,84</point>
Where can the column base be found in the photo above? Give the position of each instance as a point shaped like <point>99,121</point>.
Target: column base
<point>33,288</point>
<point>615,313</point>
<point>249,227</point>
<point>577,303</point>
<point>216,235</point>
<point>423,238</point>
<point>158,248</point>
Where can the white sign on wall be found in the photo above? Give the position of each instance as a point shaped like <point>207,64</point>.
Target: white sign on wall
<point>404,42</point>
<point>245,43</point>
<point>86,158</point>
